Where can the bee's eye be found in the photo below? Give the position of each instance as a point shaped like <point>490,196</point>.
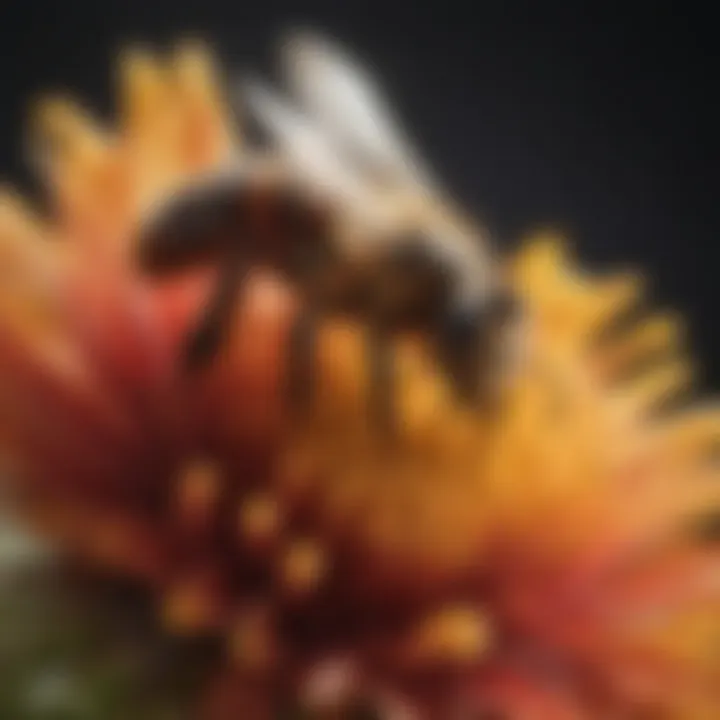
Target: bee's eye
<point>414,256</point>
<point>503,307</point>
<point>462,325</point>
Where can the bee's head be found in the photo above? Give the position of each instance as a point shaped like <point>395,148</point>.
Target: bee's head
<point>189,228</point>
<point>503,325</point>
<point>479,341</point>
<point>482,320</point>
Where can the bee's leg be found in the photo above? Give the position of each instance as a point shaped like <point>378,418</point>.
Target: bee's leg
<point>302,351</point>
<point>300,378</point>
<point>309,261</point>
<point>381,372</point>
<point>462,341</point>
<point>382,378</point>
<point>212,329</point>
<point>408,291</point>
<point>469,347</point>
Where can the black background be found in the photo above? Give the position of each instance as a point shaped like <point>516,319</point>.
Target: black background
<point>596,118</point>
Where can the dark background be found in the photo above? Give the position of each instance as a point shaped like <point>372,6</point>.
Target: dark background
<point>595,118</point>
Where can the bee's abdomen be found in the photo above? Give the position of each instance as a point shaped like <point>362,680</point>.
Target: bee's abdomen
<point>193,226</point>
<point>227,213</point>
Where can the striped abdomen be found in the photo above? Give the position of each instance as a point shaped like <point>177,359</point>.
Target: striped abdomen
<point>267,221</point>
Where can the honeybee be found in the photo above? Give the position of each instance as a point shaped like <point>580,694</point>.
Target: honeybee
<point>343,207</point>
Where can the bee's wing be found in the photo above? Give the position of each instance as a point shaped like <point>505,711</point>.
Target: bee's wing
<point>310,154</point>
<point>345,101</point>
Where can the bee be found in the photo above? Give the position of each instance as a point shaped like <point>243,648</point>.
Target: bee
<point>343,207</point>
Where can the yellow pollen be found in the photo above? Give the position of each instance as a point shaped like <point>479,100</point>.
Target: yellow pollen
<point>457,635</point>
<point>259,519</point>
<point>188,608</point>
<point>303,567</point>
<point>198,490</point>
<point>253,644</point>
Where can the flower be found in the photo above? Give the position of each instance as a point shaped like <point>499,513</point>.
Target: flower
<point>540,563</point>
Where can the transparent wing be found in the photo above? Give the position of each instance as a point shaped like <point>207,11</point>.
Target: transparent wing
<point>308,152</point>
<point>346,103</point>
